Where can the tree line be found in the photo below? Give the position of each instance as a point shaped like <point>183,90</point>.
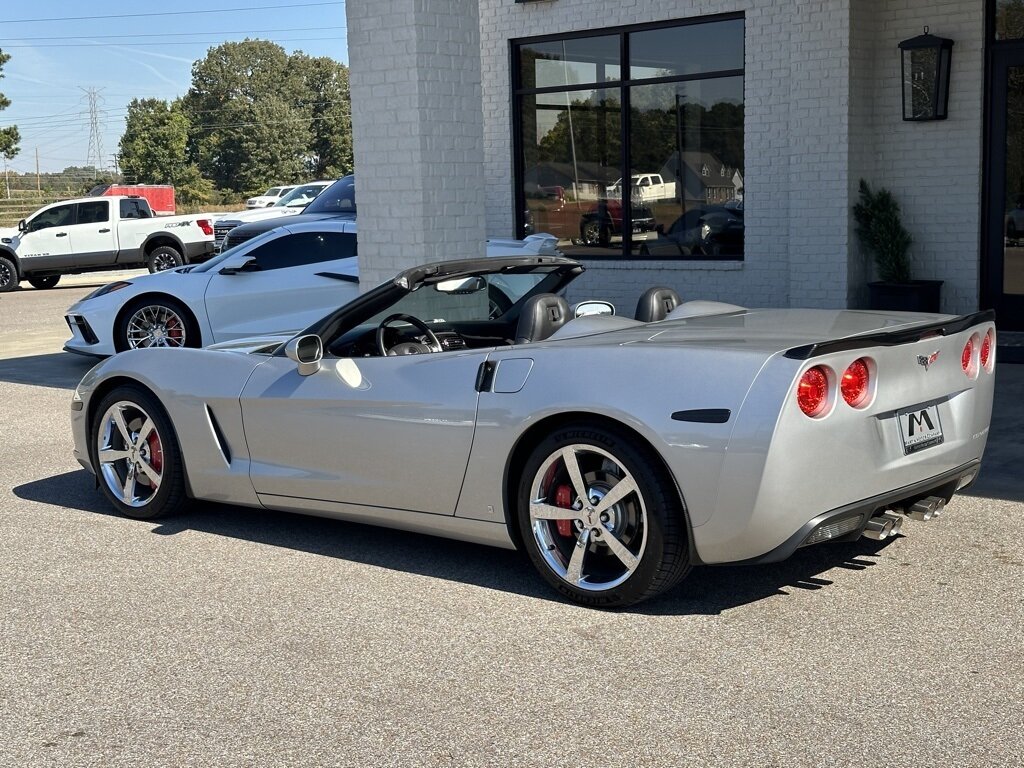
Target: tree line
<point>253,117</point>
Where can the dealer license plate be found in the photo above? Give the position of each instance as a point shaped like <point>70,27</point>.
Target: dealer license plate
<point>920,428</point>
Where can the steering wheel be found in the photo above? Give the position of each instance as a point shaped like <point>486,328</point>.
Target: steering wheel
<point>407,347</point>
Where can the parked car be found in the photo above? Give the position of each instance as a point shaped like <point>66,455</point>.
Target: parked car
<point>98,233</point>
<point>716,435</point>
<point>709,231</point>
<point>604,219</point>
<point>645,188</point>
<point>268,198</point>
<point>336,201</point>
<point>289,204</point>
<point>278,282</point>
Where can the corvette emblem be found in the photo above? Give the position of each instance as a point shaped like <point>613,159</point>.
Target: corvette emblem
<point>927,360</point>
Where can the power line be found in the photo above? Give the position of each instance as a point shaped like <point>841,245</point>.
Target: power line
<point>245,9</point>
<point>165,42</point>
<point>181,34</point>
<point>95,154</point>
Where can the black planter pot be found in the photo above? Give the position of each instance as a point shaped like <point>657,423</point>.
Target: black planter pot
<point>913,296</point>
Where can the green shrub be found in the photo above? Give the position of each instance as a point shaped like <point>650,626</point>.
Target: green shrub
<point>881,233</point>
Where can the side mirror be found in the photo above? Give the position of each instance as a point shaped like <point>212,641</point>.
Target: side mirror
<point>249,265</point>
<point>22,226</point>
<point>307,351</point>
<point>585,308</point>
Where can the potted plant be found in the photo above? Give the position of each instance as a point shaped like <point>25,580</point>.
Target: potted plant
<point>882,235</point>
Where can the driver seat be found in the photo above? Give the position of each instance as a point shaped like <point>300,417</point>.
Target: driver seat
<point>542,315</point>
<point>655,304</point>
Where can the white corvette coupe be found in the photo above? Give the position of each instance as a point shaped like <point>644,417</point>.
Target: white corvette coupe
<point>279,282</point>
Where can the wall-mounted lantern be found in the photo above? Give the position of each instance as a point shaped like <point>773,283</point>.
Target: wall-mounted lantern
<point>926,62</point>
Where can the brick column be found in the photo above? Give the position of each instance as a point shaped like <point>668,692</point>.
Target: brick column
<point>417,123</point>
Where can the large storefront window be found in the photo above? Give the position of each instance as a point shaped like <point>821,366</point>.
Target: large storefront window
<point>672,115</point>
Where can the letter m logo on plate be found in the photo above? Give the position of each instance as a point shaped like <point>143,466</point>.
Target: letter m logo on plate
<point>920,428</point>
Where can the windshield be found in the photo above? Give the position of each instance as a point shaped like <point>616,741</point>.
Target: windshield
<point>340,197</point>
<point>300,196</point>
<point>216,261</point>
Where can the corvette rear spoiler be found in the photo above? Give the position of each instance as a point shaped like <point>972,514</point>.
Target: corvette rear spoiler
<point>892,338</point>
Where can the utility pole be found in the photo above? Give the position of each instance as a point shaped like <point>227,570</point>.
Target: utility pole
<point>95,154</point>
<point>7,181</point>
<point>39,189</point>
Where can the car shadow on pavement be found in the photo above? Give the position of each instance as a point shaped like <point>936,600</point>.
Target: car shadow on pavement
<point>707,591</point>
<point>60,370</point>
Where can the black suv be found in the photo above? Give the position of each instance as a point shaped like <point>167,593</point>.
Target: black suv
<point>337,201</point>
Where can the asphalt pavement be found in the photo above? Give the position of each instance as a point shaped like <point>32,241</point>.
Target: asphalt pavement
<point>234,637</point>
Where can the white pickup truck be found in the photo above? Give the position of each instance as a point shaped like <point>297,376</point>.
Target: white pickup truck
<point>99,233</point>
<point>647,187</point>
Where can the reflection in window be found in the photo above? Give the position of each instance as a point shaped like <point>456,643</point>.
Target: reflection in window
<point>569,62</point>
<point>1009,19</point>
<point>686,50</point>
<point>572,149</point>
<point>682,138</point>
<point>687,138</point>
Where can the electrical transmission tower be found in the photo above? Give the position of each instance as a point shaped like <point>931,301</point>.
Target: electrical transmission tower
<point>94,157</point>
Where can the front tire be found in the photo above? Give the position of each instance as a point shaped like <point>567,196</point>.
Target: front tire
<point>136,455</point>
<point>8,275</point>
<point>163,258</point>
<point>43,283</point>
<point>600,519</point>
<point>156,322</point>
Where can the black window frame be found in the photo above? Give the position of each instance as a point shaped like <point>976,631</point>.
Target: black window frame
<point>624,86</point>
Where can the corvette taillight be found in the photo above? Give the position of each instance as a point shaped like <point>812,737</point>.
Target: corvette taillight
<point>855,382</point>
<point>986,358</point>
<point>967,358</point>
<point>812,391</point>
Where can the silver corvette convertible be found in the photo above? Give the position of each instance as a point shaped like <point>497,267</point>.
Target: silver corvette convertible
<point>466,399</point>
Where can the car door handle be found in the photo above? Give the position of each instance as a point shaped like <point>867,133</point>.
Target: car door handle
<point>105,230</point>
<point>61,234</point>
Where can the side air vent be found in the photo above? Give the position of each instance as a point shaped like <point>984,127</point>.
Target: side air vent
<point>218,436</point>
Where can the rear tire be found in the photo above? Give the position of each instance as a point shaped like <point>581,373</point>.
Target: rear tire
<point>136,455</point>
<point>8,275</point>
<point>43,283</point>
<point>164,257</point>
<point>602,556</point>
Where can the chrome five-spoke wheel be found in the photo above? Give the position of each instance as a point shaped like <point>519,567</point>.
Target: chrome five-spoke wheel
<point>600,516</point>
<point>588,518</point>
<point>156,326</point>
<point>135,454</point>
<point>130,454</point>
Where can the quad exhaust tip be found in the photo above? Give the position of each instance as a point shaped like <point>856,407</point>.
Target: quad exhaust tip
<point>926,509</point>
<point>883,526</point>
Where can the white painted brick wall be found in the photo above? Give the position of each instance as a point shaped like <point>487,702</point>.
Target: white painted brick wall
<point>418,132</point>
<point>934,169</point>
<point>822,95</point>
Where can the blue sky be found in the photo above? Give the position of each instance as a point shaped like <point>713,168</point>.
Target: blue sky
<point>150,57</point>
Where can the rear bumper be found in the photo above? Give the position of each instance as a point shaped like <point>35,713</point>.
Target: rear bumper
<point>944,485</point>
<point>197,252</point>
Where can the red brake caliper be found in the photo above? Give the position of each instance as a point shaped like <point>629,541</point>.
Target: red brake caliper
<point>156,453</point>
<point>563,499</point>
<point>174,330</point>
